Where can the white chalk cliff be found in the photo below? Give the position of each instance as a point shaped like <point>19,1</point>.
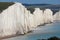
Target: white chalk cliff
<point>57,16</point>
<point>16,19</point>
<point>48,16</point>
<point>38,14</point>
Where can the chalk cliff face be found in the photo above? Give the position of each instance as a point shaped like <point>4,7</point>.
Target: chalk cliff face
<point>1,25</point>
<point>16,19</point>
<point>31,20</point>
<point>48,16</point>
<point>43,17</point>
<point>57,16</point>
<point>38,14</point>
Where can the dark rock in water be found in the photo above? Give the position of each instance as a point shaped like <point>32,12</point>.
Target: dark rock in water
<point>54,38</point>
<point>51,38</point>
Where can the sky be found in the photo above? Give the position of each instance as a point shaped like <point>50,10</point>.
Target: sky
<point>34,1</point>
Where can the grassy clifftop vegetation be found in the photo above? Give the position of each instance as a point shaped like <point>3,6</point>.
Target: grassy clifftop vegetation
<point>4,5</point>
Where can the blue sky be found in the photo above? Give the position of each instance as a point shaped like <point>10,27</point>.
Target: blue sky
<point>34,1</point>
